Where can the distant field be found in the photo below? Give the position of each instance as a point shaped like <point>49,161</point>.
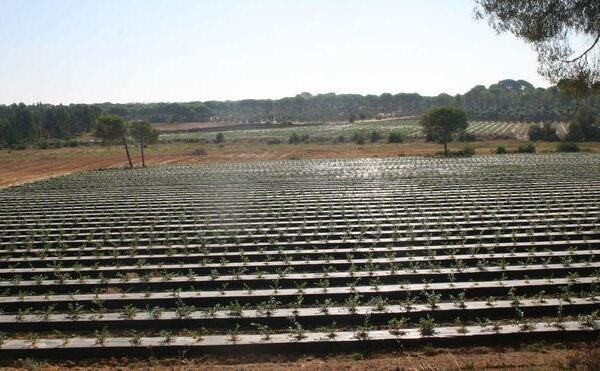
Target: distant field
<point>333,131</point>
<point>183,126</point>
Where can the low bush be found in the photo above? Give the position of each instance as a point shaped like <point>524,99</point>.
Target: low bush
<point>500,150</point>
<point>395,136</point>
<point>200,151</point>
<point>545,132</point>
<point>219,138</point>
<point>296,138</point>
<point>466,137</point>
<point>467,151</point>
<point>567,147</point>
<point>273,141</point>
<point>375,136</point>
<point>526,148</point>
<point>340,139</point>
<point>359,137</point>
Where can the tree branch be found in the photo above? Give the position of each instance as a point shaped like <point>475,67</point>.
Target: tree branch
<point>585,52</point>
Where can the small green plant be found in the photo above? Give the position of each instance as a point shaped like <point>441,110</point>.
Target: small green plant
<point>167,336</point>
<point>427,326</point>
<point>296,330</point>
<point>101,336</point>
<point>396,325</point>
<point>362,331</point>
<point>264,330</point>
<point>135,339</point>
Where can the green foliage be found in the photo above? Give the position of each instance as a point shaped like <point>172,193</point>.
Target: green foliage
<point>463,136</point>
<point>219,138</point>
<point>395,136</point>
<point>200,151</point>
<point>500,150</point>
<point>296,138</point>
<point>526,148</point>
<point>359,137</point>
<point>440,123</point>
<point>548,25</point>
<point>567,147</point>
<point>467,151</point>
<point>585,126</point>
<point>110,129</point>
<point>545,132</point>
<point>375,136</point>
<point>143,132</point>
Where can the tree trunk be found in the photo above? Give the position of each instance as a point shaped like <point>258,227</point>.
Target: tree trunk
<point>127,153</point>
<point>445,140</point>
<point>142,150</point>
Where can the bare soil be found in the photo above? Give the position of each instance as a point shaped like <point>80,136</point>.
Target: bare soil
<point>534,356</point>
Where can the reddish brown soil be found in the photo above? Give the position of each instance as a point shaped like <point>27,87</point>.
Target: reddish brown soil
<point>536,356</point>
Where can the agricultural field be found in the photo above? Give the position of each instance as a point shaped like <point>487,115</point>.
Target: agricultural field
<point>309,255</point>
<point>409,128</point>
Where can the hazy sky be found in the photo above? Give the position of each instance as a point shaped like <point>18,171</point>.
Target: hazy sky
<point>71,51</point>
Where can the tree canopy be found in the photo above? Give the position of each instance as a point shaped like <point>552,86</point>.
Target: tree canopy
<point>506,100</point>
<point>111,129</point>
<point>143,133</point>
<point>441,123</point>
<point>554,27</point>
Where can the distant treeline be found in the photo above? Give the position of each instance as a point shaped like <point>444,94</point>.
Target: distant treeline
<point>508,100</point>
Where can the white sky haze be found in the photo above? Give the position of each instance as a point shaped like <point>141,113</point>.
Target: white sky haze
<point>89,51</point>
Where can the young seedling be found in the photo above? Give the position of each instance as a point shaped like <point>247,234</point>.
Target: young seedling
<point>427,326</point>
<point>396,325</point>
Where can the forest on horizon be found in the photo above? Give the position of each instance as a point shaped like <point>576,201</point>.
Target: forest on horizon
<point>507,100</point>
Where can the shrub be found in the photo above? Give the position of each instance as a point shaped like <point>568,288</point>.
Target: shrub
<point>526,148</point>
<point>273,141</point>
<point>395,137</point>
<point>200,151</point>
<point>542,132</point>
<point>359,137</point>
<point>296,138</point>
<point>73,143</point>
<point>467,151</point>
<point>340,139</point>
<point>463,136</point>
<point>375,136</point>
<point>585,126</point>
<point>500,150</point>
<point>42,145</point>
<point>567,147</point>
<point>219,138</point>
